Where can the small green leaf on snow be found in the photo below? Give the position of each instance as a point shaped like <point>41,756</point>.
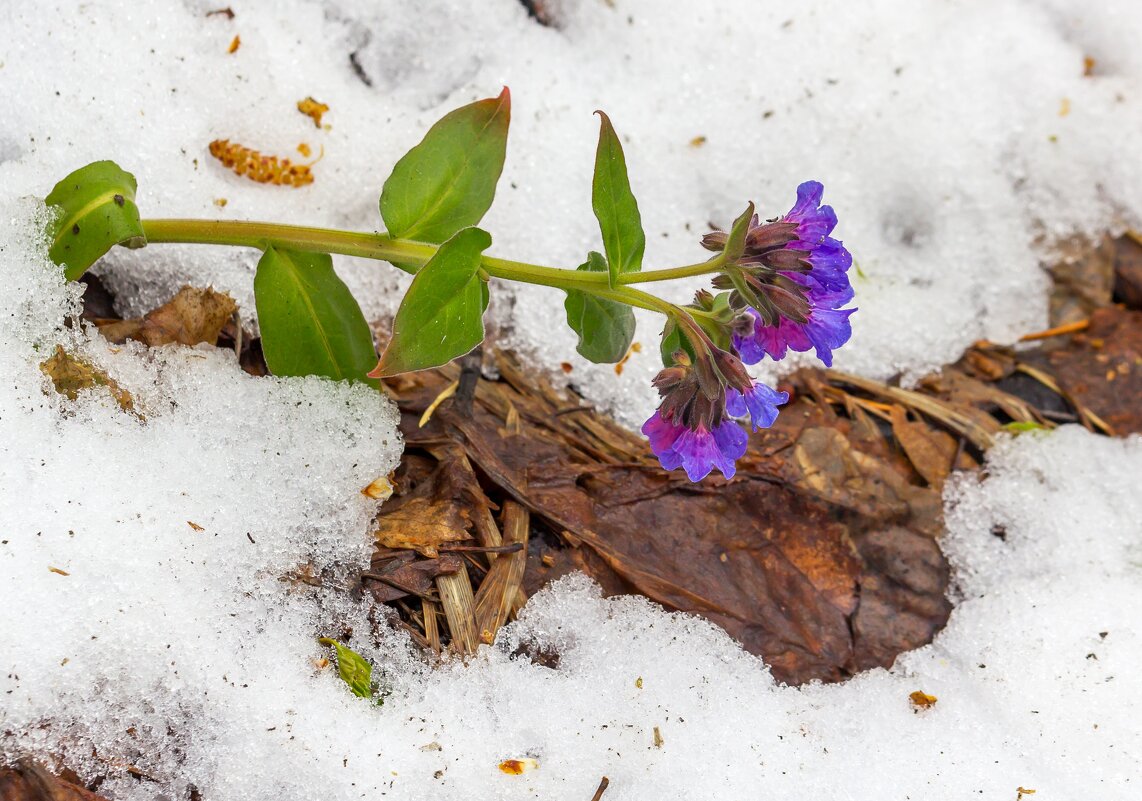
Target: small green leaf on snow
<point>353,669</point>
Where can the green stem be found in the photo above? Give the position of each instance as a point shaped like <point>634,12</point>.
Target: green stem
<point>710,266</point>
<point>408,255</point>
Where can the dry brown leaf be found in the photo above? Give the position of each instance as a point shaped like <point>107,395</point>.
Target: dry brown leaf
<point>71,375</point>
<point>422,525</point>
<point>192,316</point>
<point>931,451</point>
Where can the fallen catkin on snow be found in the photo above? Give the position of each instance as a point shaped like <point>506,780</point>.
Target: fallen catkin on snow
<point>958,141</point>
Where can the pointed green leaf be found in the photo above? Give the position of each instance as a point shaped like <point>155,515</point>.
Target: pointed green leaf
<point>442,315</point>
<point>605,327</point>
<point>98,211</point>
<point>310,321</point>
<point>353,668</point>
<point>448,181</point>
<point>735,240</point>
<point>615,206</point>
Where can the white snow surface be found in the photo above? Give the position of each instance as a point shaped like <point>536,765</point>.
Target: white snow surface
<point>938,130</point>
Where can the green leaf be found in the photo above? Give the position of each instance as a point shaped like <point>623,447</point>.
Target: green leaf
<point>735,240</point>
<point>448,181</point>
<point>605,327</point>
<point>615,206</point>
<point>442,315</point>
<point>1023,427</point>
<point>672,342</point>
<point>311,323</point>
<point>98,212</point>
<point>353,668</point>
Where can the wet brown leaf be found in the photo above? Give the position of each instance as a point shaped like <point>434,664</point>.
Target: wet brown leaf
<point>1100,370</point>
<point>190,317</point>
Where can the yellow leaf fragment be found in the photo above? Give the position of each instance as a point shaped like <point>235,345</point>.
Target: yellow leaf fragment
<point>422,525</point>
<point>658,741</point>
<point>235,43</point>
<point>1022,791</point>
<point>697,141</point>
<point>922,700</point>
<point>312,109</point>
<point>194,525</point>
<point>379,490</point>
<point>1064,107</point>
<point>57,571</point>
<point>305,150</point>
<point>70,375</point>
<point>515,767</point>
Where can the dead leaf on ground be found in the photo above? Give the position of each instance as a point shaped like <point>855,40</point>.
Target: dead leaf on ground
<point>29,782</point>
<point>71,375</point>
<point>189,318</point>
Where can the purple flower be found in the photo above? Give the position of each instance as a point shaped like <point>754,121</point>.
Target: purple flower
<point>828,259</point>
<point>696,450</point>
<point>801,272</point>
<point>824,330</point>
<point>761,402</point>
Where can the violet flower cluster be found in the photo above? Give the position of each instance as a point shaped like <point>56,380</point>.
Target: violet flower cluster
<point>787,290</point>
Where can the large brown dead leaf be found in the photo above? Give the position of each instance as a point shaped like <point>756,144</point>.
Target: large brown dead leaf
<point>189,318</point>
<point>776,557</point>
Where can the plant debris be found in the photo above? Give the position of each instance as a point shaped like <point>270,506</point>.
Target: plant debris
<point>191,317</point>
<point>71,375</point>
<point>312,109</point>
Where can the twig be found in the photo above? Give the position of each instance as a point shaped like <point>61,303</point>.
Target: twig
<point>602,789</point>
<point>1059,330</point>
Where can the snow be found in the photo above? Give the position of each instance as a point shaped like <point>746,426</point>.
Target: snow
<point>959,142</point>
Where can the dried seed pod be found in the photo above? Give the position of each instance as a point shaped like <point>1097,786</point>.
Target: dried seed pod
<point>257,167</point>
